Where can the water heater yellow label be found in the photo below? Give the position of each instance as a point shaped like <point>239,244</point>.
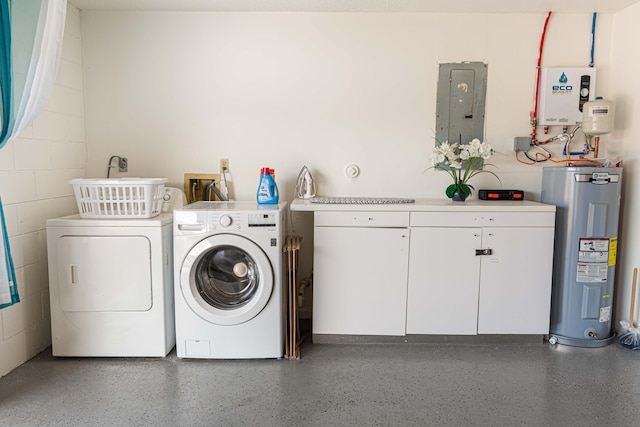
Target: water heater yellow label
<point>613,251</point>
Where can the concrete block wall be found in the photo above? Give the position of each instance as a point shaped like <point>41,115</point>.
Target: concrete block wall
<point>35,168</point>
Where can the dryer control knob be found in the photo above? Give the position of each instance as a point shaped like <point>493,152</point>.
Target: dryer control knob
<point>225,220</point>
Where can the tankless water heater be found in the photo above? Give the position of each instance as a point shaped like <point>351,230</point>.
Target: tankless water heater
<point>563,93</point>
<point>587,203</point>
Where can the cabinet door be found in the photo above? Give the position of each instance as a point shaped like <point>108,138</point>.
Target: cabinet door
<point>360,280</point>
<point>515,281</point>
<point>443,281</point>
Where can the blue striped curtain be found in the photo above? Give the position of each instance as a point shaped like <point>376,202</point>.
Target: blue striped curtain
<point>31,34</point>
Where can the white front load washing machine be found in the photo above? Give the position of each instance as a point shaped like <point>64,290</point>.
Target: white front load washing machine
<point>229,293</point>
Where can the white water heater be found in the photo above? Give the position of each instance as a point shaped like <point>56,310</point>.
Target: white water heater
<point>563,93</point>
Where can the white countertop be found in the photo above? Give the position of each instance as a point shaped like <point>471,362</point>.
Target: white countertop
<point>429,205</point>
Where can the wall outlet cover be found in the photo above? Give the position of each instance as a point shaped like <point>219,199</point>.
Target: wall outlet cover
<point>224,165</point>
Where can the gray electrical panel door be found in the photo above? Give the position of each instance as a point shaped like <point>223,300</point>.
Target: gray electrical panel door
<point>460,105</point>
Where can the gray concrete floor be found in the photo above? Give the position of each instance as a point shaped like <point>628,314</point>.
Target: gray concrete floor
<point>335,385</point>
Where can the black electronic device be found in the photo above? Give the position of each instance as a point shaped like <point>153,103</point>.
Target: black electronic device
<point>501,195</point>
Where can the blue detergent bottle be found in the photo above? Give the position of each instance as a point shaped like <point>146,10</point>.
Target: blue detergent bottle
<point>267,190</point>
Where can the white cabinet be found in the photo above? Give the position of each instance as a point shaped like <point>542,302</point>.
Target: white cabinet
<point>432,268</point>
<point>515,280</point>
<point>442,294</point>
<point>484,273</point>
<point>360,273</point>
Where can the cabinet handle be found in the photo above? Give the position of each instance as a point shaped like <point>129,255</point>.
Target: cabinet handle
<point>480,252</point>
<point>74,274</point>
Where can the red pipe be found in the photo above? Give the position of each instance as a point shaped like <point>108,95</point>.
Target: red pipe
<point>534,116</point>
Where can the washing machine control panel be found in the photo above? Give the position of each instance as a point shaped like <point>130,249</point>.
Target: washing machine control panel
<point>262,219</point>
<point>241,220</point>
<point>226,221</point>
<point>197,220</point>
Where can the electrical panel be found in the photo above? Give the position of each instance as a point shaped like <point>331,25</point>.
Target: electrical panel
<point>563,92</point>
<point>460,104</point>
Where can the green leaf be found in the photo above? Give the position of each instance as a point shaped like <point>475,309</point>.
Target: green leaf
<point>450,190</point>
<point>464,190</point>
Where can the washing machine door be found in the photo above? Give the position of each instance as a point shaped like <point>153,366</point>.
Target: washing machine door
<point>226,279</point>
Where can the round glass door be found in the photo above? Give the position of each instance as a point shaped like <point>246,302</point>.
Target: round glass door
<point>226,279</point>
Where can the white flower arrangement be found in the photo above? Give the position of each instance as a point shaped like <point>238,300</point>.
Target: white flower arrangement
<point>461,161</point>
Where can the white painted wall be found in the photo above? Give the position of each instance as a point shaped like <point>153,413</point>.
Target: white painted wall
<point>625,65</point>
<point>174,92</point>
<point>34,171</point>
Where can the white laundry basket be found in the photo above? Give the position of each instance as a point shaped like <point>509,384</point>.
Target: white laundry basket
<point>119,197</point>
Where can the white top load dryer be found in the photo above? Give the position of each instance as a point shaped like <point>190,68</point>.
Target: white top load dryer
<point>111,285</point>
